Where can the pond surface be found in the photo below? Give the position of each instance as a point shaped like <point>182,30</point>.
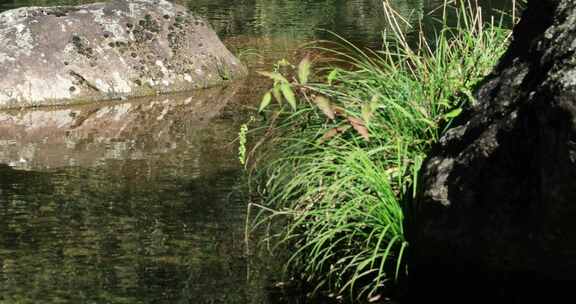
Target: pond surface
<point>134,202</point>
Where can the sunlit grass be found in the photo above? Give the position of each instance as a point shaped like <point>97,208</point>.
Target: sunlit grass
<point>338,173</point>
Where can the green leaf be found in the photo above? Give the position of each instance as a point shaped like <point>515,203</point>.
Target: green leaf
<point>332,76</point>
<point>366,112</point>
<point>277,94</point>
<point>265,101</point>
<point>445,103</point>
<point>304,70</point>
<point>469,95</point>
<point>274,76</point>
<point>325,106</point>
<point>288,94</point>
<point>452,114</point>
<point>374,103</point>
<point>283,62</point>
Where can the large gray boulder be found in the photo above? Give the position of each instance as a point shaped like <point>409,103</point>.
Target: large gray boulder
<point>496,222</point>
<point>101,51</point>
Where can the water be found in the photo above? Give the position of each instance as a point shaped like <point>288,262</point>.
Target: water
<point>134,202</point>
<point>128,203</point>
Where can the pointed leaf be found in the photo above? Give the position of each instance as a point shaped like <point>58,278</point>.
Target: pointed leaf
<point>339,111</point>
<point>274,76</point>
<point>469,95</point>
<point>288,94</point>
<point>332,132</point>
<point>445,103</point>
<point>304,70</point>
<point>325,105</point>
<point>265,101</point>
<point>359,126</point>
<point>343,129</point>
<point>332,76</point>
<point>366,112</point>
<point>374,103</point>
<point>283,62</point>
<point>452,114</point>
<point>277,94</point>
<point>374,298</point>
<point>328,135</point>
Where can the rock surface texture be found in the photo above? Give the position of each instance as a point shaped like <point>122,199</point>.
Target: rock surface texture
<point>101,51</point>
<point>496,220</point>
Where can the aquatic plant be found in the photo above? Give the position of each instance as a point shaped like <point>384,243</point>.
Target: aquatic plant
<point>339,158</point>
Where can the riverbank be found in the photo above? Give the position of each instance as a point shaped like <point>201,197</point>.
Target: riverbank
<point>338,162</point>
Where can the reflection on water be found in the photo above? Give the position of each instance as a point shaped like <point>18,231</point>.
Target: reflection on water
<point>132,202</point>
<point>158,130</point>
<point>125,203</point>
<point>88,236</point>
<point>360,21</point>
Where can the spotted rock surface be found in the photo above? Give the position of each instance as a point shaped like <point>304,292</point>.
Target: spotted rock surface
<point>102,51</point>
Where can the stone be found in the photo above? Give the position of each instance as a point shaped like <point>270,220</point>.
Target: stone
<point>496,219</point>
<point>103,51</point>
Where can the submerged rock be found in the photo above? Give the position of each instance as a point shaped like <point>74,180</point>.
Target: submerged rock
<point>103,51</point>
<point>496,222</point>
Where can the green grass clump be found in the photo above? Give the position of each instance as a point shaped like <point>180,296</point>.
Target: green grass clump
<point>338,169</point>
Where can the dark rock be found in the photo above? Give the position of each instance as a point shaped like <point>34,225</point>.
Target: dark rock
<point>497,217</point>
<point>97,49</point>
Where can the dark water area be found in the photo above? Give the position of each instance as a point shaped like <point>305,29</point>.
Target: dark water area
<point>359,21</point>
<point>135,201</point>
<point>123,203</point>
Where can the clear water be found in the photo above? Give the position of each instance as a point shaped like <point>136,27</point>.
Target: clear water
<point>134,202</point>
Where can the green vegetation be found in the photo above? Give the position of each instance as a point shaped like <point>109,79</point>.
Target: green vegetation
<point>338,161</point>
